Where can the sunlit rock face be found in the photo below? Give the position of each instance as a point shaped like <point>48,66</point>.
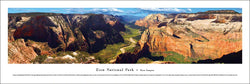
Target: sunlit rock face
<point>65,32</point>
<point>204,36</point>
<point>151,20</point>
<point>19,53</point>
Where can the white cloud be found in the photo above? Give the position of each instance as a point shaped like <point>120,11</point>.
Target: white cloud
<point>112,11</point>
<point>190,10</point>
<point>106,10</point>
<point>74,10</point>
<point>162,10</point>
<point>95,10</point>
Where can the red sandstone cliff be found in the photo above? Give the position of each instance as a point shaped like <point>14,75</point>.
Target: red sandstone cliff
<point>50,33</point>
<point>204,36</point>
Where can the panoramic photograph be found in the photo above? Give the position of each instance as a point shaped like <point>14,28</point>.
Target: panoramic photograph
<point>124,35</point>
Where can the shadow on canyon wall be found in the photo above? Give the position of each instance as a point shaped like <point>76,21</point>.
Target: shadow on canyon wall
<point>134,57</point>
<point>232,58</point>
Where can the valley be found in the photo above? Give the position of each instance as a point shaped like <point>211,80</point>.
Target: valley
<point>183,38</point>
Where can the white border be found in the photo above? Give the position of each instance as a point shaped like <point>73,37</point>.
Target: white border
<point>241,69</point>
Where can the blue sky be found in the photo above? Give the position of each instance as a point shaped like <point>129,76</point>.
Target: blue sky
<point>117,11</point>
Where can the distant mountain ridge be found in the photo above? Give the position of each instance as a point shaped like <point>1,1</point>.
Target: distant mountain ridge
<point>129,18</point>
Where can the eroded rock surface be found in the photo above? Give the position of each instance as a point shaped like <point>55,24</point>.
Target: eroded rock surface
<point>19,53</point>
<point>198,35</point>
<point>65,32</point>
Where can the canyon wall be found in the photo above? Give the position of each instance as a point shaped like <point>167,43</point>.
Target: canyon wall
<point>200,35</point>
<point>51,33</point>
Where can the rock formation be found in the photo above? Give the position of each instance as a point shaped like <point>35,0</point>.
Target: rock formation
<point>19,53</point>
<point>205,36</point>
<point>151,20</point>
<point>212,35</point>
<point>65,32</point>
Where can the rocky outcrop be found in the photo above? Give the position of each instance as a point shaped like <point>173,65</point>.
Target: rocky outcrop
<point>65,32</point>
<point>68,32</point>
<point>151,20</point>
<point>41,48</point>
<point>220,20</point>
<point>19,53</point>
<point>98,30</point>
<point>114,22</point>
<point>190,42</point>
<point>199,38</point>
<point>13,23</point>
<point>221,16</point>
<point>127,58</point>
<point>39,28</point>
<point>133,57</point>
<point>236,19</point>
<point>202,16</point>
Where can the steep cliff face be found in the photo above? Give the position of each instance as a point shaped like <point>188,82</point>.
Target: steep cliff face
<point>38,28</point>
<point>114,22</point>
<point>65,32</point>
<point>201,38</point>
<point>151,20</point>
<point>98,30</point>
<point>190,43</point>
<point>68,31</point>
<point>133,57</point>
